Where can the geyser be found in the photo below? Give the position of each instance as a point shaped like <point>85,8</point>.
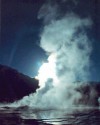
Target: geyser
<point>64,38</point>
<point>67,38</point>
<point>65,41</point>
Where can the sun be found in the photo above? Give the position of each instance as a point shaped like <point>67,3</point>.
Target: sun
<point>47,70</point>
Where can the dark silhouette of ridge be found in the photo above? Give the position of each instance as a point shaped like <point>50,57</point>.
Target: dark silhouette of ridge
<point>15,85</point>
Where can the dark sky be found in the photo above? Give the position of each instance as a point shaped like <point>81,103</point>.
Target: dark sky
<point>19,45</point>
<point>20,31</point>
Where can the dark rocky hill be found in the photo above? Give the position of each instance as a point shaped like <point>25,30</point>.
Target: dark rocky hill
<point>15,85</point>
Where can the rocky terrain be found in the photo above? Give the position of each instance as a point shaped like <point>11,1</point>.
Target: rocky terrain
<point>15,85</point>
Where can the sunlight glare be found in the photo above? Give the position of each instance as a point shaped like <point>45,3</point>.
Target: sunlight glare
<point>47,70</point>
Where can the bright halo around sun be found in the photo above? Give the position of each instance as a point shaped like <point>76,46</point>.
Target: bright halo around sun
<point>47,70</point>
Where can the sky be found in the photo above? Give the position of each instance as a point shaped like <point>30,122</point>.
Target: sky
<point>22,22</point>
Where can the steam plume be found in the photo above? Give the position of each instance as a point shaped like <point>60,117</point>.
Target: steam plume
<point>65,36</point>
<point>68,40</point>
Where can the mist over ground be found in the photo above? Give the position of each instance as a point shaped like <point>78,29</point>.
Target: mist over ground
<point>65,38</point>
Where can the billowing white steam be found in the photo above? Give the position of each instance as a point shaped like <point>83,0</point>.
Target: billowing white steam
<point>68,47</point>
<point>66,42</point>
<point>67,38</point>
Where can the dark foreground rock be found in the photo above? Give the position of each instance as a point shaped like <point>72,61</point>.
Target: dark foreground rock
<point>15,85</point>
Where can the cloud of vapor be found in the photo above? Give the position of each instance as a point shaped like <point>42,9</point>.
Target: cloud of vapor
<point>66,37</point>
<point>47,12</point>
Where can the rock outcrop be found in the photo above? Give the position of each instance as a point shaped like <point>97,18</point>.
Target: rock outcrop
<point>15,85</point>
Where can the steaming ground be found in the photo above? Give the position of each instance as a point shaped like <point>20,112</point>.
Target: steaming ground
<point>66,42</point>
<point>64,38</point>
